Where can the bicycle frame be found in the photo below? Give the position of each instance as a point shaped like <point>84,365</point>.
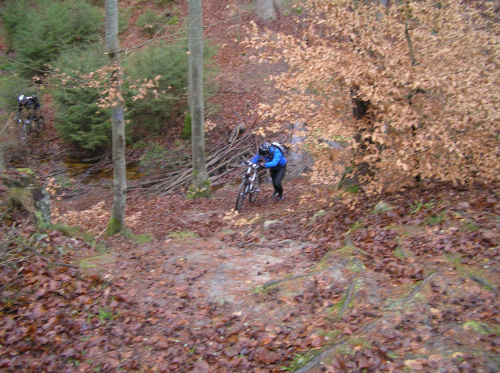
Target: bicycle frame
<point>249,185</point>
<point>250,175</point>
<point>31,121</point>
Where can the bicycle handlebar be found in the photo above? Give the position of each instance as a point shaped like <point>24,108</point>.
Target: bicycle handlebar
<point>260,160</point>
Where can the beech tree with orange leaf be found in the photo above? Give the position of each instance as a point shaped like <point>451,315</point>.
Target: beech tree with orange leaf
<point>412,86</point>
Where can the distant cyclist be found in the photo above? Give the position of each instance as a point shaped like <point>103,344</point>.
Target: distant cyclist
<point>275,160</point>
<point>30,103</point>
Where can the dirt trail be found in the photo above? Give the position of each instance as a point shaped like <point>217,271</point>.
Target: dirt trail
<point>247,298</point>
<point>225,265</point>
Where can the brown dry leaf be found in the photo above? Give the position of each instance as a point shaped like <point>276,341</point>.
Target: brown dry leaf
<point>200,367</point>
<point>414,364</point>
<point>347,331</point>
<point>364,363</point>
<point>435,358</point>
<point>266,356</point>
<point>316,340</point>
<point>231,351</point>
<point>265,340</point>
<point>38,311</point>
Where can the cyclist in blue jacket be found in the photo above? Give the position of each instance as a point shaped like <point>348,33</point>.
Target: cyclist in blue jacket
<point>275,161</point>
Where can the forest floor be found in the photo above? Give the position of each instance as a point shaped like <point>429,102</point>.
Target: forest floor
<point>398,283</point>
<point>408,282</point>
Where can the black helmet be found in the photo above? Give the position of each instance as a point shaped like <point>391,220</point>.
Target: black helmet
<point>264,149</point>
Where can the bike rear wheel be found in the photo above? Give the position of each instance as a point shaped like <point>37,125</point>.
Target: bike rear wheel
<point>241,194</point>
<point>39,124</point>
<point>254,189</point>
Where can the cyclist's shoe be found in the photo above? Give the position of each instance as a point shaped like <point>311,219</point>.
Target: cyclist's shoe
<point>275,194</point>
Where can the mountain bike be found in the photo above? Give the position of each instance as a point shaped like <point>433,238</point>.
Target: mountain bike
<point>250,185</point>
<point>34,122</point>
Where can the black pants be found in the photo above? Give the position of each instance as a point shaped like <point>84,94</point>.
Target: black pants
<point>277,174</point>
<point>32,113</point>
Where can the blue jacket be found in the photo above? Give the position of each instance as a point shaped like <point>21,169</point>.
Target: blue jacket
<point>275,158</point>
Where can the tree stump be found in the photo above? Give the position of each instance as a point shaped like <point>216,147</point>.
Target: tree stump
<point>23,190</point>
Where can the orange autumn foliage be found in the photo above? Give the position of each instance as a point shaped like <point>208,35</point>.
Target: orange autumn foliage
<point>428,70</point>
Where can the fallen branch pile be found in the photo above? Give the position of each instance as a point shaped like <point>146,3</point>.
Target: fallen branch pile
<point>222,161</point>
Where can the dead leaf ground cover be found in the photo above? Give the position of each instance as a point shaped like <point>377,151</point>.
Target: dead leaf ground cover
<point>404,282</point>
<point>380,289</point>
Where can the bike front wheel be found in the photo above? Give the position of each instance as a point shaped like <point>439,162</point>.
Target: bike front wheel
<point>39,124</point>
<point>241,194</point>
<point>254,189</point>
<point>23,132</point>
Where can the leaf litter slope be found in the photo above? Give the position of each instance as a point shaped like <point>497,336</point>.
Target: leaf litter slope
<point>382,289</point>
<point>406,287</point>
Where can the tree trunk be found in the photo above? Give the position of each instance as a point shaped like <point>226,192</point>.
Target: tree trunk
<point>201,182</point>
<point>2,159</point>
<point>117,222</point>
